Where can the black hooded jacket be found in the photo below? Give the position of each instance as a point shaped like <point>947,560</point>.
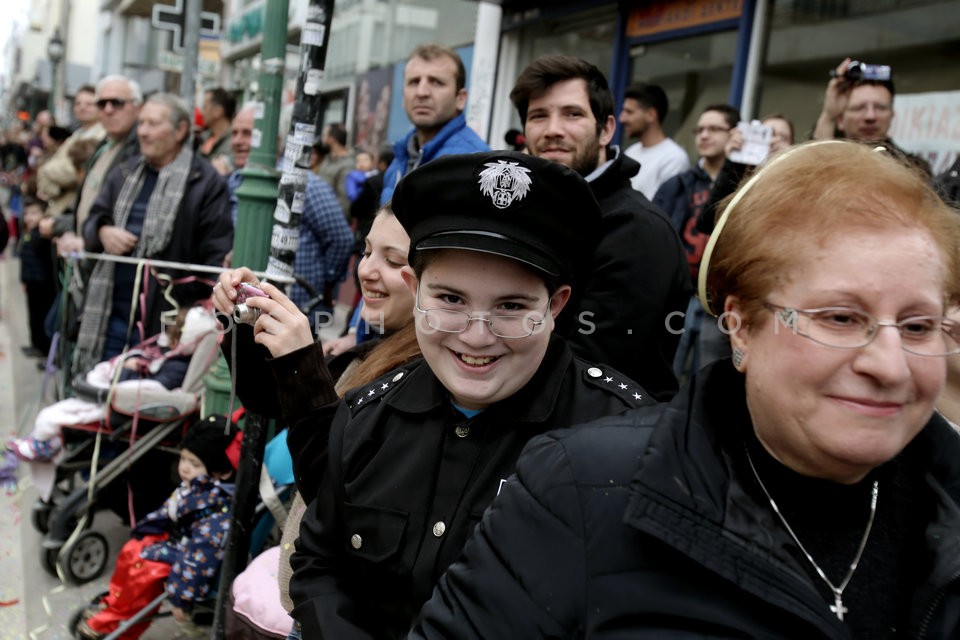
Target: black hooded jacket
<point>639,278</point>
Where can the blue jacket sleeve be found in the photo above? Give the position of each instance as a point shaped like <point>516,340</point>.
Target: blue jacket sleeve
<point>193,576</point>
<point>671,198</point>
<point>390,179</point>
<point>155,522</point>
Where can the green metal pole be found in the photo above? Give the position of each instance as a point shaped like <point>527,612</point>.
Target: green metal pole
<point>256,200</point>
<point>258,194</point>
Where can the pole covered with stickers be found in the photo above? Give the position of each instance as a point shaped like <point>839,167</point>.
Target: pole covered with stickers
<point>285,236</point>
<point>284,242</point>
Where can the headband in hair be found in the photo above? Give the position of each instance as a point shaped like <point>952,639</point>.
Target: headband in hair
<point>702,292</point>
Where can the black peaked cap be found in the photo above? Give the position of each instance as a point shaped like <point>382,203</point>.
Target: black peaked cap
<point>502,202</point>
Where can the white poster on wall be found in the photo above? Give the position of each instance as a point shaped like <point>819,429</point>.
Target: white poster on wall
<point>928,124</point>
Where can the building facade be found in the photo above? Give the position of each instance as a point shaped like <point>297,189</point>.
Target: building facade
<point>763,56</point>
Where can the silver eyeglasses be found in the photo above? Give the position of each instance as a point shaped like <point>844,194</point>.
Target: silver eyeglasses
<point>845,328</point>
<point>520,325</point>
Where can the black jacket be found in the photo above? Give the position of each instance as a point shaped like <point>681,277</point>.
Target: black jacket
<point>647,526</point>
<point>407,480</point>
<point>639,277</point>
<point>728,179</point>
<point>948,184</point>
<point>202,232</point>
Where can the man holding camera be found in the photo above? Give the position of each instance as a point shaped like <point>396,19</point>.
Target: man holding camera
<point>858,105</point>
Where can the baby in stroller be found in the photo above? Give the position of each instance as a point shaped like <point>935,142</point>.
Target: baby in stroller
<point>160,365</point>
<point>178,547</point>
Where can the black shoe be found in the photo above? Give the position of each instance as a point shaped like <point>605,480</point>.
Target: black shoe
<point>92,610</point>
<point>32,352</point>
<point>86,632</point>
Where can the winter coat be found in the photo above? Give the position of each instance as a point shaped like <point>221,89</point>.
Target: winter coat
<point>454,137</point>
<point>684,198</point>
<point>728,179</point>
<point>202,233</point>
<point>948,184</point>
<point>36,259</point>
<point>638,278</point>
<point>335,171</point>
<point>650,525</point>
<point>196,517</point>
<point>407,479</point>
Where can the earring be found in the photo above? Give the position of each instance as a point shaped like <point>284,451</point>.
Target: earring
<point>738,358</point>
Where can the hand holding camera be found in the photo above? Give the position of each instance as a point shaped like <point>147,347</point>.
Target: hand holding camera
<point>277,322</point>
<point>843,79</point>
<point>242,313</point>
<point>225,289</point>
<point>857,71</point>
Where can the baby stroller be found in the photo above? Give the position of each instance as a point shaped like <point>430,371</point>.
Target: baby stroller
<point>276,488</point>
<point>137,440</point>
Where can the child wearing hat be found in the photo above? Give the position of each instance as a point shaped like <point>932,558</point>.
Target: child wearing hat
<point>498,243</point>
<point>178,547</point>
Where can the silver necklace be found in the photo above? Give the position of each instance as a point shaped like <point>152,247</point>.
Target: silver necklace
<point>837,607</point>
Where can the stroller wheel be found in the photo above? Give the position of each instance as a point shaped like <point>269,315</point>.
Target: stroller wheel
<point>86,558</point>
<point>40,515</point>
<point>48,560</point>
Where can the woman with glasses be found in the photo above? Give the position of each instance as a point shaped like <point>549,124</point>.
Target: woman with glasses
<point>803,488</point>
<point>497,242</point>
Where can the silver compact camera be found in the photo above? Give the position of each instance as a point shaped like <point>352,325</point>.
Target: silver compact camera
<point>243,314</point>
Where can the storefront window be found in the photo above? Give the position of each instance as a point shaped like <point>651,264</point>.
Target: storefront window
<point>919,39</point>
<point>694,72</point>
<point>588,35</point>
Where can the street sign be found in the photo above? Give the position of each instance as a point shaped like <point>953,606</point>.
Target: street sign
<point>173,18</point>
<point>169,61</point>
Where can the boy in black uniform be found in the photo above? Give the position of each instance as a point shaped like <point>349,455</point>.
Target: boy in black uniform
<point>497,240</point>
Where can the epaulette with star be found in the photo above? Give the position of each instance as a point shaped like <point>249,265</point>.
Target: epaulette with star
<point>608,378</point>
<point>370,394</point>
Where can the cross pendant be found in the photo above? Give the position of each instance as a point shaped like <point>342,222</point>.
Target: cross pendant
<point>837,606</point>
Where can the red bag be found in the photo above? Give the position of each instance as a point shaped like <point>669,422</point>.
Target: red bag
<point>135,583</point>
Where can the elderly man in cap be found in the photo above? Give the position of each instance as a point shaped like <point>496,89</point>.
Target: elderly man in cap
<point>497,242</point>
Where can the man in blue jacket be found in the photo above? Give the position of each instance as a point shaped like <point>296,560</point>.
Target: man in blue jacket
<point>434,96</point>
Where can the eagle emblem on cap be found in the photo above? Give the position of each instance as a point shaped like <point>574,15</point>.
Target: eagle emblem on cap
<point>505,182</point>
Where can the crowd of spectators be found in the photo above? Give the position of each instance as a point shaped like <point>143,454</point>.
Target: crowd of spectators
<point>510,293</point>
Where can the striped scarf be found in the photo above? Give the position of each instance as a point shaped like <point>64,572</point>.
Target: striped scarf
<point>158,222</point>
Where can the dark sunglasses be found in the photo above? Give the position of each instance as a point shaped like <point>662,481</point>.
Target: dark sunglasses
<point>116,103</point>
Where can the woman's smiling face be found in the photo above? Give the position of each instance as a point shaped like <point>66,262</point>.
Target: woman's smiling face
<point>477,367</point>
<point>836,413</point>
<point>387,302</point>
